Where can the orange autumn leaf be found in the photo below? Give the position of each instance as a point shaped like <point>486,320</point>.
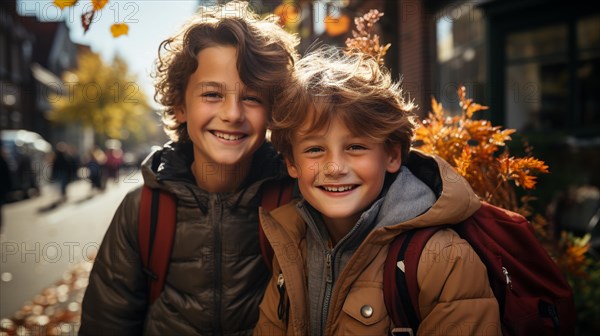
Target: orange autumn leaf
<point>337,26</point>
<point>119,29</point>
<point>472,108</point>
<point>99,4</point>
<point>64,3</point>
<point>572,259</point>
<point>438,111</point>
<point>464,162</point>
<point>288,14</point>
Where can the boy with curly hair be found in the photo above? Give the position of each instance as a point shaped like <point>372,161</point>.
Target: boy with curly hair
<point>217,79</point>
<point>345,133</point>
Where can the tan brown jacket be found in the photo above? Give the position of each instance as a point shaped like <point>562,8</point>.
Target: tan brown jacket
<point>455,296</point>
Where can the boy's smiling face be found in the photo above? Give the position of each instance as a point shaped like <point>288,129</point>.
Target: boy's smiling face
<point>225,120</point>
<point>339,173</point>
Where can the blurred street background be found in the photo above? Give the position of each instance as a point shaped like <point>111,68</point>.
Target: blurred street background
<point>48,248</point>
<point>77,117</point>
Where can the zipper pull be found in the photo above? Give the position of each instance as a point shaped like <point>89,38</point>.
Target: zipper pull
<point>281,308</point>
<point>507,277</point>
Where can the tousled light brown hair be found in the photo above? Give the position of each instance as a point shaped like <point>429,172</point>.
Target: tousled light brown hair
<point>265,56</point>
<point>354,88</point>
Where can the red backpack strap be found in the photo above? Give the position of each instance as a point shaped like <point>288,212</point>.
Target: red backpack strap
<point>274,194</point>
<point>156,230</point>
<point>401,292</point>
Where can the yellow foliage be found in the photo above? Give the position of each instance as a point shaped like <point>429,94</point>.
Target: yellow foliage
<point>104,97</point>
<point>99,4</point>
<point>119,29</point>
<point>62,4</point>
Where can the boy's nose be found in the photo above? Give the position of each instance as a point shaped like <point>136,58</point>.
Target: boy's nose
<point>232,111</point>
<point>335,167</point>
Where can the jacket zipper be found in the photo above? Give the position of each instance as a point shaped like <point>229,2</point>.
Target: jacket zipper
<point>328,290</point>
<point>217,259</point>
<point>329,258</point>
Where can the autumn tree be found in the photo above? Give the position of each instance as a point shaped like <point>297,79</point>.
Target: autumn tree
<point>104,98</point>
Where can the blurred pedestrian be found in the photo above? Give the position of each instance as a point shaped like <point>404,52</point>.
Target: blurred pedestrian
<point>95,166</point>
<point>114,161</point>
<point>26,175</point>
<point>62,169</point>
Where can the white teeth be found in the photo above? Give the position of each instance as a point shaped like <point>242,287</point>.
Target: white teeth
<point>227,136</point>
<point>338,189</point>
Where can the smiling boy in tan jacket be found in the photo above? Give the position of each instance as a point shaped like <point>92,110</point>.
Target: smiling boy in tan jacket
<point>345,132</point>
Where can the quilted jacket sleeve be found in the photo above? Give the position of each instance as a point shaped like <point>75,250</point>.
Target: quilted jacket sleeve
<point>455,296</point>
<point>115,300</point>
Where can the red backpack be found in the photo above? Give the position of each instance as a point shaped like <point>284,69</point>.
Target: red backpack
<point>156,229</point>
<point>533,295</point>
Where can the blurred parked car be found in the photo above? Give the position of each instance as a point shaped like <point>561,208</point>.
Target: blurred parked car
<point>25,154</point>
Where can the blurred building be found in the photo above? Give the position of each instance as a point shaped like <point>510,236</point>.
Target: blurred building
<point>33,56</point>
<point>16,49</point>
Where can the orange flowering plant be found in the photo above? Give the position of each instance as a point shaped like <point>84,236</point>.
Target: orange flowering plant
<point>477,150</point>
<point>364,39</point>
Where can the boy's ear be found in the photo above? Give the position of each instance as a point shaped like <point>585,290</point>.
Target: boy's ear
<point>291,168</point>
<point>394,158</point>
<point>180,114</point>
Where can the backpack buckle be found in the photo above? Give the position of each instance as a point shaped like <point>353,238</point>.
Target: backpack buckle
<point>402,332</point>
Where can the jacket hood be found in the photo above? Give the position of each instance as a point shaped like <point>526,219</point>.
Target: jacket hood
<point>427,192</point>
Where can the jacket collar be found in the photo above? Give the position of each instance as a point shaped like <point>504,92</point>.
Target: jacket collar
<point>170,166</point>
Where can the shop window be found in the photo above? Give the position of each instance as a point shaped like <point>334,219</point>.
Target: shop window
<point>552,76</point>
<point>15,58</point>
<point>536,78</point>
<point>460,33</point>
<point>3,56</point>
<point>588,70</point>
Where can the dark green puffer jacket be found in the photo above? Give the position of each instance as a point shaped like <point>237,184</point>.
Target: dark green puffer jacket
<point>216,276</point>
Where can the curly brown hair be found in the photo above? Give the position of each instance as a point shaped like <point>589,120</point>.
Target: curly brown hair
<point>354,88</point>
<point>265,56</point>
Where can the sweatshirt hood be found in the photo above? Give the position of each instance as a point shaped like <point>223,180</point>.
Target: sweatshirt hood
<point>407,198</point>
<point>428,192</point>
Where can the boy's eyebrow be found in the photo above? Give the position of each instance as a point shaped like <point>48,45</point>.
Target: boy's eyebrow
<point>313,137</point>
<point>221,87</point>
<point>309,137</point>
<point>202,85</point>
